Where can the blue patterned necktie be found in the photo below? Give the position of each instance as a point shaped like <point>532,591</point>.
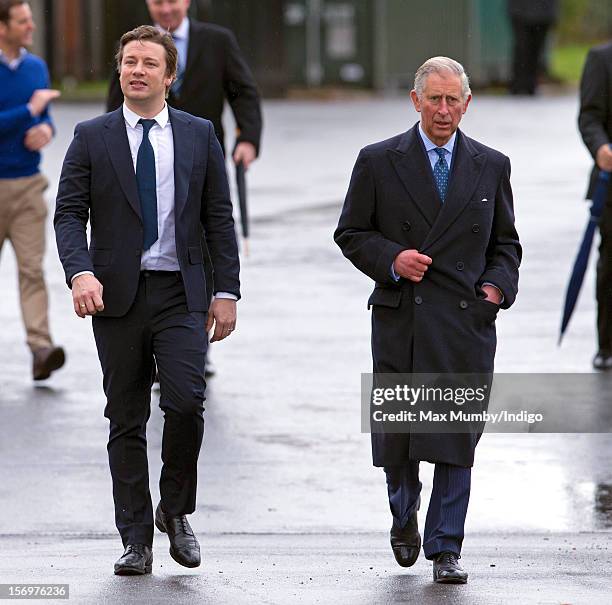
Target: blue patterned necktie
<point>147,187</point>
<point>441,173</point>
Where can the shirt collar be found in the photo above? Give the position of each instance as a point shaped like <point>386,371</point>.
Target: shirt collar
<point>429,145</point>
<point>132,118</point>
<point>180,33</point>
<point>13,63</point>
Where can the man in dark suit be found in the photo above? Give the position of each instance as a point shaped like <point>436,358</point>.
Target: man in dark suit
<point>211,69</point>
<point>595,123</point>
<point>429,217</point>
<point>152,181</point>
<point>531,21</point>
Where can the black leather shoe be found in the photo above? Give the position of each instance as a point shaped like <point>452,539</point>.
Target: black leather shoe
<point>184,546</point>
<point>136,560</point>
<point>602,361</point>
<point>406,541</point>
<point>446,569</point>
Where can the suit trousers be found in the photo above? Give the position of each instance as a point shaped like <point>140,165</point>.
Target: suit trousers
<point>23,214</point>
<point>445,521</point>
<point>604,282</point>
<point>157,330</point>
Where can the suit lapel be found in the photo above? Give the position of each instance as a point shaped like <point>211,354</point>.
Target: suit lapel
<point>193,50</point>
<point>184,141</point>
<point>466,169</point>
<point>118,147</point>
<point>414,170</point>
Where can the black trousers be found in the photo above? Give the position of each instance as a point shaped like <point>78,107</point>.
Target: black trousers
<point>529,39</point>
<point>158,329</point>
<point>445,521</point>
<point>604,281</point>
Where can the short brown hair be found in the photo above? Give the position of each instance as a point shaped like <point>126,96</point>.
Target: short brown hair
<point>6,6</point>
<point>148,33</point>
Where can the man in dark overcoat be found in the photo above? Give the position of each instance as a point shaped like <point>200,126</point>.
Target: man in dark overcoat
<point>429,217</point>
<point>595,123</point>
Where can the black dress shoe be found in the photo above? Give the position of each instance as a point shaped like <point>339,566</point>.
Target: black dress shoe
<point>602,361</point>
<point>47,360</point>
<point>406,541</point>
<point>136,560</point>
<point>446,569</point>
<point>184,546</point>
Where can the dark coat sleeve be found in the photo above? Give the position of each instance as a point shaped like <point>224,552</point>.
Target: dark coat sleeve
<point>72,208</point>
<point>357,233</point>
<point>217,220</point>
<point>594,103</point>
<point>503,251</point>
<point>242,94</point>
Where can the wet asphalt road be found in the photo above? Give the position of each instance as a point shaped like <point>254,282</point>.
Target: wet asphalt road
<point>286,483</point>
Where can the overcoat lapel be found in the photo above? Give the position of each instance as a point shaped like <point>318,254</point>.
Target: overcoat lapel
<point>414,170</point>
<point>118,147</point>
<point>467,167</point>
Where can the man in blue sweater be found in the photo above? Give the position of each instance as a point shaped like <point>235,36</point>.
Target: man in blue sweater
<point>25,128</point>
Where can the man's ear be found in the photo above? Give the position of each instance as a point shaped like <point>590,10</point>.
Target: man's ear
<point>415,100</point>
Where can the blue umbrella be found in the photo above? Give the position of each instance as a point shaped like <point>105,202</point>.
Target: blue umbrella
<point>582,259</point>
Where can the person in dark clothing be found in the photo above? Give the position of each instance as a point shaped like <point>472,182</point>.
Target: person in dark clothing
<point>211,70</point>
<point>531,21</point>
<point>429,217</point>
<point>595,124</point>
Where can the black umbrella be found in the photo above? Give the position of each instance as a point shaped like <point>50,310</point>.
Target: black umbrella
<point>582,259</point>
<point>242,200</point>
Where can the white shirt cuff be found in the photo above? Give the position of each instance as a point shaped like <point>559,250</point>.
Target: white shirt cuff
<point>226,295</point>
<point>394,275</point>
<point>80,273</point>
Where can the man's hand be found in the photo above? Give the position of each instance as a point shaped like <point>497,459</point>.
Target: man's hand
<point>245,153</point>
<point>410,264</point>
<point>494,294</point>
<point>604,158</point>
<point>38,136</point>
<point>87,295</point>
<point>223,313</point>
<point>40,99</point>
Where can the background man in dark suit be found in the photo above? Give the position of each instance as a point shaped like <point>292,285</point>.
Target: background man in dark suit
<point>595,123</point>
<point>531,21</point>
<point>211,68</point>
<point>152,180</point>
<point>429,217</point>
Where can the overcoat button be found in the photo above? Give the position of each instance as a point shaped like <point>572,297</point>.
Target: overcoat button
<point>463,304</point>
<point>475,228</point>
<point>406,226</point>
<point>460,266</point>
<point>418,300</point>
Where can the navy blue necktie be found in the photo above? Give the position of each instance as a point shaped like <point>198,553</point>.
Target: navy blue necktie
<point>147,188</point>
<point>441,172</point>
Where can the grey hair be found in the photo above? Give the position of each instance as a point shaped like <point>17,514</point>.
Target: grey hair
<point>437,65</point>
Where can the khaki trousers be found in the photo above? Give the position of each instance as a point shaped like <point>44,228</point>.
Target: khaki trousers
<point>23,214</point>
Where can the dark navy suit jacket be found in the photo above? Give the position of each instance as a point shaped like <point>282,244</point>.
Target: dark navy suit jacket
<point>98,184</point>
